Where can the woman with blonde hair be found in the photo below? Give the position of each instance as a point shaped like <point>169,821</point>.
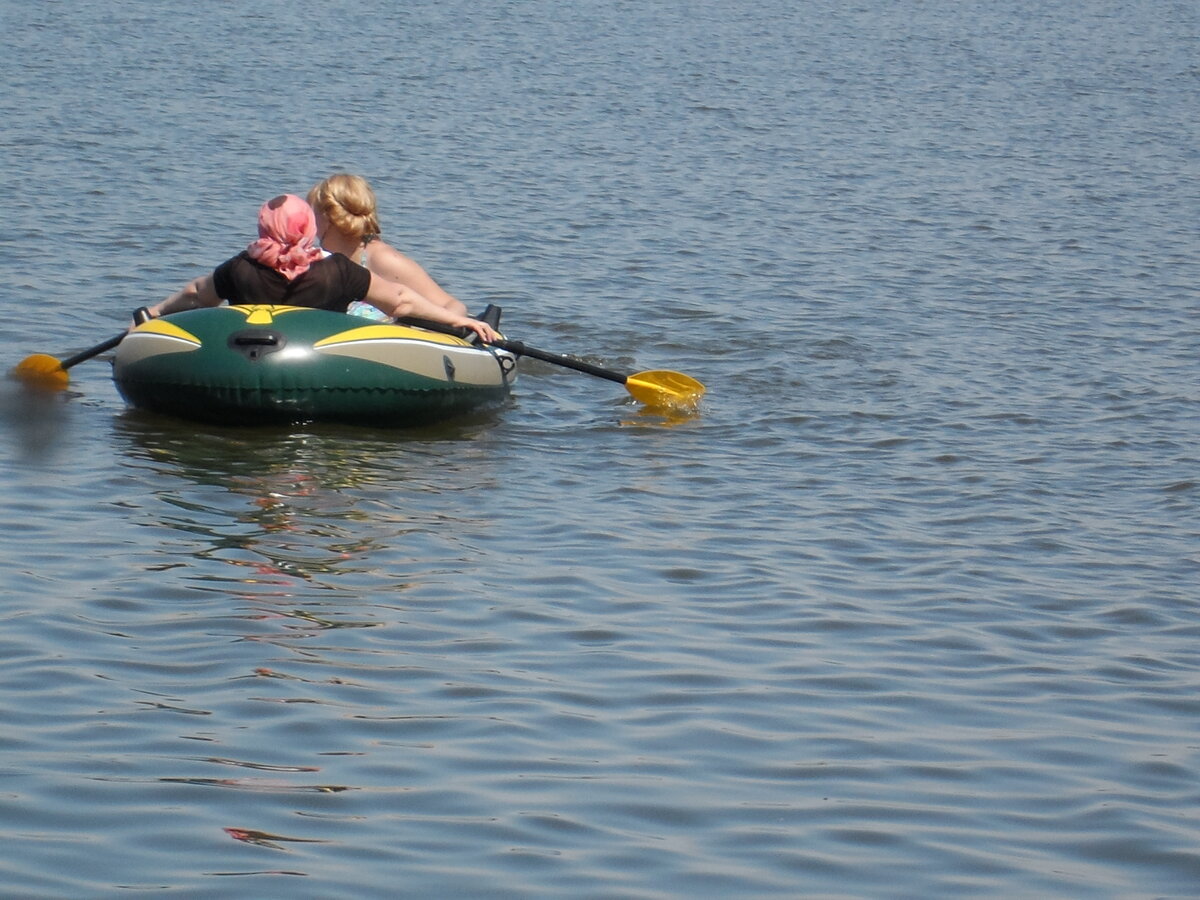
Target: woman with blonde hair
<point>348,223</point>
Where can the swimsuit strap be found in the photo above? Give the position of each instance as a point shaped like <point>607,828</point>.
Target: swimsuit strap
<point>367,238</point>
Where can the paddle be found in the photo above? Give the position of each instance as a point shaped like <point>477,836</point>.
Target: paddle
<point>655,388</point>
<point>659,387</point>
<point>46,371</point>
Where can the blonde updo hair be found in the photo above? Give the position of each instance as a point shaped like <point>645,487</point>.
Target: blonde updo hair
<point>348,202</point>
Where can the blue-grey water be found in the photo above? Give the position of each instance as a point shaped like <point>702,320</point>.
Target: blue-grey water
<point>909,608</point>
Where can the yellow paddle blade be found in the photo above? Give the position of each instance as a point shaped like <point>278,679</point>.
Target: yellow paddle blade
<point>42,370</point>
<point>664,389</point>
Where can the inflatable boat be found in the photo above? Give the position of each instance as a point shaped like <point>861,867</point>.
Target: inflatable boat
<point>283,364</point>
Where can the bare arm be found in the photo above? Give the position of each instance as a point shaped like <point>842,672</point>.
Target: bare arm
<point>199,292</point>
<point>398,300</point>
<point>388,262</point>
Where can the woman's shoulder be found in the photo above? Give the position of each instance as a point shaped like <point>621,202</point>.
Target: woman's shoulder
<point>334,261</point>
<point>343,266</point>
<point>237,260</point>
<point>378,247</point>
<point>383,256</point>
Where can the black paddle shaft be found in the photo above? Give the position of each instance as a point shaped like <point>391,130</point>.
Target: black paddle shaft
<point>521,349</point>
<point>94,351</point>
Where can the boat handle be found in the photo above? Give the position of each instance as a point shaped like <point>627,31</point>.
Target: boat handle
<point>254,344</point>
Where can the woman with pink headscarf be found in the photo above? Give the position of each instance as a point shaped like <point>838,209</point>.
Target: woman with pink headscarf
<point>285,268</point>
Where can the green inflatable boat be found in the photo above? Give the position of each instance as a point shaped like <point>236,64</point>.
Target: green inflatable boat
<point>251,365</point>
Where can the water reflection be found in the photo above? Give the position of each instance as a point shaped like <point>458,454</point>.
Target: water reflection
<point>303,526</point>
<point>662,416</point>
<point>35,417</point>
<point>265,839</point>
<point>341,455</point>
<point>305,479</point>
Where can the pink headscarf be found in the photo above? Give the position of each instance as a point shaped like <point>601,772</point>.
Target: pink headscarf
<point>286,231</point>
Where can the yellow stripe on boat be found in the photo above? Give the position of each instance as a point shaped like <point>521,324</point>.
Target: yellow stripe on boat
<point>388,332</point>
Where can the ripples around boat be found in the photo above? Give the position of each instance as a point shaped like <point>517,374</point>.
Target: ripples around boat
<point>906,608</point>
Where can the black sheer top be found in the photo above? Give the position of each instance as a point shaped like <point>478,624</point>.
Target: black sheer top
<point>330,283</point>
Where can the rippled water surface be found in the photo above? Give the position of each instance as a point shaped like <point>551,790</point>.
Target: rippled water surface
<point>908,608</point>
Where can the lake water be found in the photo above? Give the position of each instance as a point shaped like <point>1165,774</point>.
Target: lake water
<point>909,608</point>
